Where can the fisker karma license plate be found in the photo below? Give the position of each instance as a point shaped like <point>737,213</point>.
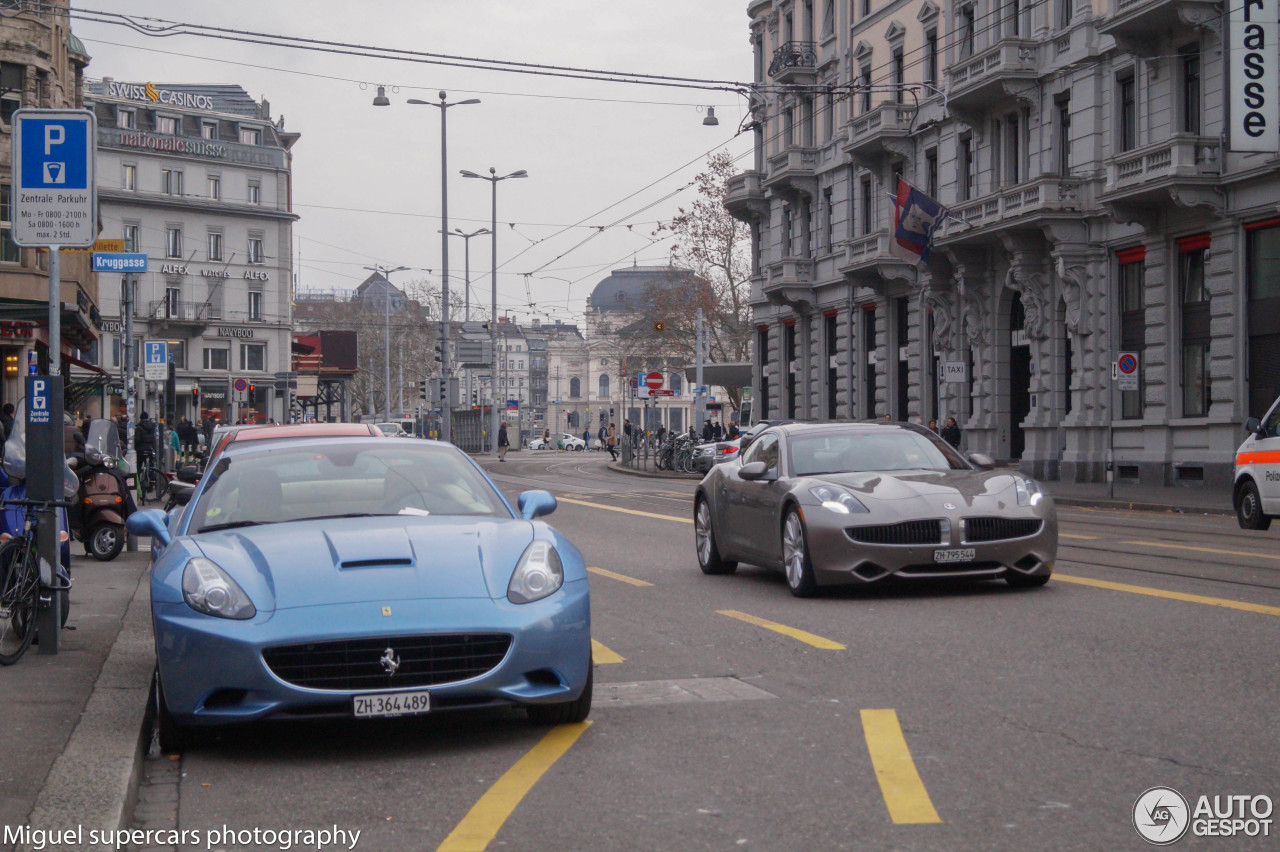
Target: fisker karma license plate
<point>392,704</point>
<point>966,554</point>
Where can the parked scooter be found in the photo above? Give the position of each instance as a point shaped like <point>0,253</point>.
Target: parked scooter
<point>105,497</point>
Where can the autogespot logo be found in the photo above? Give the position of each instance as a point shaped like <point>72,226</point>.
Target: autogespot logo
<point>1160,815</point>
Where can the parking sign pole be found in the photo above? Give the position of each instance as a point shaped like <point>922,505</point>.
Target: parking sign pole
<point>49,621</point>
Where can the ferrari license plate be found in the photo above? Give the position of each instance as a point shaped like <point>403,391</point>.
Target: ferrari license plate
<point>392,704</point>
<point>965,554</point>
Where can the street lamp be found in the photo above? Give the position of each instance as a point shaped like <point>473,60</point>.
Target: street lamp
<point>493,179</point>
<point>386,349</point>
<point>445,410</point>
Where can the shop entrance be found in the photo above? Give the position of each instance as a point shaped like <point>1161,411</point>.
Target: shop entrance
<point>1019,377</point>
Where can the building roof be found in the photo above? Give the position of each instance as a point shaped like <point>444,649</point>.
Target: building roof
<point>227,99</point>
<point>625,289</point>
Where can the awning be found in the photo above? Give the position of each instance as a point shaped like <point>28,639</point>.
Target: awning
<point>76,362</point>
<point>722,375</point>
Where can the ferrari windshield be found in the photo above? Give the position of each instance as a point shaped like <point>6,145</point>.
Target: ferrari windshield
<point>858,450</point>
<point>341,479</point>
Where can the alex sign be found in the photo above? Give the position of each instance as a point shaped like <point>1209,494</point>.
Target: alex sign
<point>1254,69</point>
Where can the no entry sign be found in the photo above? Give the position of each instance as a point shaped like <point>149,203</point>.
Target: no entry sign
<point>654,381</point>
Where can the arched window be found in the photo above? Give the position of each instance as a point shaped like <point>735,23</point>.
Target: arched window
<point>575,388</point>
<point>675,384</point>
<point>604,385</point>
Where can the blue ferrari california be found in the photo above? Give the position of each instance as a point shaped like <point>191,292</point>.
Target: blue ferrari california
<point>362,578</point>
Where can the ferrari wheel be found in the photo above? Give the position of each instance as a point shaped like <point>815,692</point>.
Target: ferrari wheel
<point>1249,508</point>
<point>795,557</point>
<point>566,712</point>
<point>173,738</point>
<point>709,559</point>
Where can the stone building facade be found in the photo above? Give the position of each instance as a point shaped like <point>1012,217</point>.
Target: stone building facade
<point>1093,211</point>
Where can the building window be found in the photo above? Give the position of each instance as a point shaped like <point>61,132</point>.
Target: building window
<point>762,358</point>
<point>898,74</point>
<point>214,183</point>
<point>1127,112</point>
<point>255,250</point>
<point>676,384</point>
<point>217,359</point>
<point>215,245</point>
<point>126,119</point>
<point>130,233</point>
<point>1013,150</point>
<point>864,80</point>
<point>931,172</point>
<point>1064,13</point>
<point>129,177</point>
<point>255,192</point>
<point>968,19</point>
<point>1064,137</point>
<point>250,136</point>
<point>173,302</point>
<point>1195,326</point>
<point>832,348</point>
<point>868,207</point>
<point>208,130</point>
<point>1190,89</point>
<point>167,124</point>
<point>864,8</point>
<point>603,386</point>
<point>253,356</point>
<point>575,388</point>
<point>1013,18</point>
<point>1133,327</point>
<point>173,242</point>
<point>214,301</point>
<point>255,305</point>
<point>828,17</point>
<point>789,364</point>
<point>178,354</point>
<point>828,117</point>
<point>828,220</point>
<point>1263,307</point>
<point>9,251</point>
<point>13,82</point>
<point>931,60</point>
<point>964,165</point>
<point>171,181</point>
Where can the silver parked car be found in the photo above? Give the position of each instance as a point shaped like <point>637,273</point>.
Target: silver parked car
<point>850,503</point>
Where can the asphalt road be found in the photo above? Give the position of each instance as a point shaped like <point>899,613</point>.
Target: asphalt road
<point>730,715</point>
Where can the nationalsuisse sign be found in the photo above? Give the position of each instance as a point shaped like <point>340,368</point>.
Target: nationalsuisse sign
<point>54,186</point>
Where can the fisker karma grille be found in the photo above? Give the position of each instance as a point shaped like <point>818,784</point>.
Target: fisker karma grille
<point>907,532</point>
<point>998,529</point>
<point>389,662</point>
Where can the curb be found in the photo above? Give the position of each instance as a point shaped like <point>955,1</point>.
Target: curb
<point>94,782</point>
<point>654,474</point>
<point>1127,505</point>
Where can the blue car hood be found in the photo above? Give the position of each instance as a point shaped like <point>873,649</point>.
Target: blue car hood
<point>379,560</point>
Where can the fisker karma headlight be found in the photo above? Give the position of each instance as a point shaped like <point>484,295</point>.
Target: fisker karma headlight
<point>838,499</point>
<point>1028,491</point>
<point>208,589</point>
<point>537,574</point>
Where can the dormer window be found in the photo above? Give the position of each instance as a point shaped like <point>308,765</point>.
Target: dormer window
<point>126,119</point>
<point>167,124</point>
<point>250,136</point>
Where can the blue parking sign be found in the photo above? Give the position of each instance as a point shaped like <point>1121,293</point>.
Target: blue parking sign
<point>53,154</point>
<point>54,195</point>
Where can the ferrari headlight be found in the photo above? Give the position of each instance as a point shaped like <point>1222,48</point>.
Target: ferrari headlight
<point>837,499</point>
<point>538,574</point>
<point>1028,491</point>
<point>207,588</point>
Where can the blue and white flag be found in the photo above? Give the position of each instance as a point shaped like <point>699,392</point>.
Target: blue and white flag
<point>915,217</point>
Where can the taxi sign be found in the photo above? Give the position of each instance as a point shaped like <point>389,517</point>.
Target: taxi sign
<point>54,186</point>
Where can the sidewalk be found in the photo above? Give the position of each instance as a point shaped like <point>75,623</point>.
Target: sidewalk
<point>72,720</point>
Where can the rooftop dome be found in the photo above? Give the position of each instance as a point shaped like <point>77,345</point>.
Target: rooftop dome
<point>624,289</point>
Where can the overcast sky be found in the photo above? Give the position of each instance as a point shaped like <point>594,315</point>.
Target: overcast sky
<point>367,180</point>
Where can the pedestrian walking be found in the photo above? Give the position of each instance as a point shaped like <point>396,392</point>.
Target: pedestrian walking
<point>951,433</point>
<point>626,430</point>
<point>6,420</point>
<point>611,441</point>
<point>717,430</point>
<point>733,434</point>
<point>586,439</point>
<point>707,431</point>
<point>933,426</point>
<point>504,443</point>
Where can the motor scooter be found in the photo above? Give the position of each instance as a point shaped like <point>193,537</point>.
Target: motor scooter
<point>104,500</point>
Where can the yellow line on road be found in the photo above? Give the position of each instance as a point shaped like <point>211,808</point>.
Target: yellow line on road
<point>1176,596</point>
<point>627,511</point>
<point>1086,537</point>
<point>485,819</point>
<point>904,792</point>
<point>623,577</point>
<point>601,655</point>
<point>1203,549</point>
<point>794,633</point>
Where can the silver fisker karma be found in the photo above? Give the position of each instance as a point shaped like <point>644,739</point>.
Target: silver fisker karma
<point>859,502</point>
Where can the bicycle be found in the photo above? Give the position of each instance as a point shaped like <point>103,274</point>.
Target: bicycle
<point>151,483</point>
<point>23,593</point>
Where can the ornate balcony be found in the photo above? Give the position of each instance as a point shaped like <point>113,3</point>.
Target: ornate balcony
<point>169,313</point>
<point>795,62</point>
<point>882,131</point>
<point>790,282</point>
<point>992,76</point>
<point>1184,169</point>
<point>744,196</point>
<point>1137,25</point>
<point>1025,204</point>
<point>868,262</point>
<point>793,172</point>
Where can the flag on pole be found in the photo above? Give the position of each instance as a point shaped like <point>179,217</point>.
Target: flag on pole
<point>915,217</point>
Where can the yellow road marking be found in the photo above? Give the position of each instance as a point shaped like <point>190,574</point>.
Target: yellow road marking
<point>485,819</point>
<point>601,655</point>
<point>1203,549</point>
<point>1176,596</point>
<point>794,633</point>
<point>1086,537</point>
<point>904,792</point>
<point>623,577</point>
<point>628,511</point>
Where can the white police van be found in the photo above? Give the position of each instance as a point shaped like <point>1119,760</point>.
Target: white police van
<point>1256,495</point>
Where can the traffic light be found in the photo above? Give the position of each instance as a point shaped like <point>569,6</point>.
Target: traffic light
<point>659,326</point>
<point>253,395</point>
<point>11,365</point>
<point>422,392</point>
<point>195,397</point>
<point>439,356</point>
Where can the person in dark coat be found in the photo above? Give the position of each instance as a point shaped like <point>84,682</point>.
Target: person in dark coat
<point>504,443</point>
<point>951,433</point>
<point>6,421</point>
<point>707,432</point>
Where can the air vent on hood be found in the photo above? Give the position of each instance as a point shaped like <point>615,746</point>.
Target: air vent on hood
<point>376,563</point>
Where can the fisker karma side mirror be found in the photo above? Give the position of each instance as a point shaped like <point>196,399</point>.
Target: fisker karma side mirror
<point>753,471</point>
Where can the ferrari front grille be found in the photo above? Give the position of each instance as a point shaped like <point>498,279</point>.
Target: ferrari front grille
<point>907,532</point>
<point>999,529</point>
<point>390,662</point>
